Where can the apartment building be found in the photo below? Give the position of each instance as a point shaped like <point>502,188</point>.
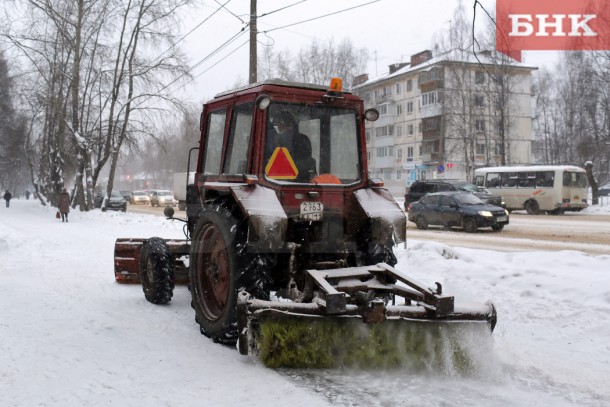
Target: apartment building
<point>445,116</point>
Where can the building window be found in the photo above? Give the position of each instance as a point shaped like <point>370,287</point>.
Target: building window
<point>431,98</point>
<point>479,125</point>
<point>409,85</point>
<point>399,131</point>
<point>410,129</point>
<point>367,96</point>
<point>368,136</point>
<point>384,131</point>
<point>399,109</point>
<point>387,151</point>
<point>480,148</point>
<point>409,153</point>
<point>479,77</point>
<point>409,107</point>
<point>398,88</point>
<point>419,127</point>
<point>368,156</point>
<point>387,91</point>
<point>421,151</point>
<point>479,100</point>
<point>398,174</point>
<point>387,175</point>
<point>383,109</point>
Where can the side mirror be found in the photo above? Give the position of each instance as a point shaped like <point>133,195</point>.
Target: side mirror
<point>168,212</point>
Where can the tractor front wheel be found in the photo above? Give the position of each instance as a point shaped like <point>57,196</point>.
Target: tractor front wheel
<point>156,272</point>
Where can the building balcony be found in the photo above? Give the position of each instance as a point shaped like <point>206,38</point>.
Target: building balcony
<point>429,158</point>
<point>435,109</point>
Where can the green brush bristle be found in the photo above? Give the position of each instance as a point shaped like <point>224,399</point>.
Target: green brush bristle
<point>333,342</point>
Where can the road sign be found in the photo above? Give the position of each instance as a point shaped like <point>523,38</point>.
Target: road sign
<point>440,169</point>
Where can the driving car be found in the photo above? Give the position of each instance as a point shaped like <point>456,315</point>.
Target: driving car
<point>419,189</point>
<point>457,209</point>
<point>116,202</point>
<point>604,190</point>
<point>140,197</point>
<point>163,197</point>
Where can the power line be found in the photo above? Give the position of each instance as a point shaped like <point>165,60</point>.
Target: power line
<point>230,12</point>
<point>221,6</point>
<point>322,16</point>
<point>201,61</point>
<point>282,8</point>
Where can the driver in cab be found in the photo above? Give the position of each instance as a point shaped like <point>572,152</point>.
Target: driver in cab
<point>284,133</point>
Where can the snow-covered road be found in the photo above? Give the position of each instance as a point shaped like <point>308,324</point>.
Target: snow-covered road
<point>71,336</point>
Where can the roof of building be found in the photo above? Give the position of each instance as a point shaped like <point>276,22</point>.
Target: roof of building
<point>484,58</point>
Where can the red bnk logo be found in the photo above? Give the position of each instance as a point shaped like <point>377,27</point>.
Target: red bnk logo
<point>551,25</point>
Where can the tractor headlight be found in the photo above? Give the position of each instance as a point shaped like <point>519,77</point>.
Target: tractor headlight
<point>487,214</point>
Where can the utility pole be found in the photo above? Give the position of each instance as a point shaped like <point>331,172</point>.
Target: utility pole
<point>253,32</point>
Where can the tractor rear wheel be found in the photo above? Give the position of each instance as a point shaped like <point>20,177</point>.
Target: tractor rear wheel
<point>156,271</point>
<point>220,267</point>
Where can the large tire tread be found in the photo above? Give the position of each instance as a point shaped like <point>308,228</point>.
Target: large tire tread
<point>156,271</point>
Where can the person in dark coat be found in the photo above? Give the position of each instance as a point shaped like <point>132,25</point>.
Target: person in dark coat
<point>64,205</point>
<point>27,194</point>
<point>7,197</point>
<point>285,133</point>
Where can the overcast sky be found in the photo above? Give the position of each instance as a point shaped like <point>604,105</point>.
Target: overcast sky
<point>392,30</point>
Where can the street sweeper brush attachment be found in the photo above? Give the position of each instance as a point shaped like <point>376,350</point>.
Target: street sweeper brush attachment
<point>337,329</point>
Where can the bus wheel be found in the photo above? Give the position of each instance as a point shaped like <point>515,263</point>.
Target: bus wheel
<point>532,208</point>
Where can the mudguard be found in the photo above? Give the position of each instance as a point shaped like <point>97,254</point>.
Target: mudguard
<point>267,221</point>
<point>386,216</point>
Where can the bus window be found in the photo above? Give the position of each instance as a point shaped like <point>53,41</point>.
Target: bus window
<point>574,179</point>
<point>510,179</point>
<point>545,179</point>
<point>493,180</point>
<point>527,180</point>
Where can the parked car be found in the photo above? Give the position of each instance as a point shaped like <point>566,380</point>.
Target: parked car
<point>115,202</point>
<point>456,209</point>
<point>127,195</point>
<point>161,197</point>
<point>419,189</point>
<point>604,190</point>
<point>140,197</point>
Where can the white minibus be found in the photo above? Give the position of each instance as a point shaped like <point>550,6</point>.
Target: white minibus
<point>553,189</point>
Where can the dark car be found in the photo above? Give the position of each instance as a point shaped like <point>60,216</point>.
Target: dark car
<point>127,196</point>
<point>604,190</point>
<point>419,189</point>
<point>456,209</point>
<point>116,202</point>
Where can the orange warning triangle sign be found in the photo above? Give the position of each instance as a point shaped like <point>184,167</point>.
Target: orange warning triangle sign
<point>281,165</point>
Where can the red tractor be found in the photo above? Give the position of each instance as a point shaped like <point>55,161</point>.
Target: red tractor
<point>283,223</point>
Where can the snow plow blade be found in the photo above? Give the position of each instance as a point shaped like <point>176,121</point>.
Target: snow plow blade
<point>127,254</point>
<point>336,329</point>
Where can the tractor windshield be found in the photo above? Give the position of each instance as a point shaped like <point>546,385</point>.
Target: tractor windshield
<point>312,144</point>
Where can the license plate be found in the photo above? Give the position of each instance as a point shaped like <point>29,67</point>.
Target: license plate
<point>502,219</point>
<point>311,211</point>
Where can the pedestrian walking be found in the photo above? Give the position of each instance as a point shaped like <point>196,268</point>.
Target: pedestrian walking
<point>63,205</point>
<point>27,194</point>
<point>7,197</point>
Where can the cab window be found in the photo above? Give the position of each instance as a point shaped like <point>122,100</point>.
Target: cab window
<point>213,139</point>
<point>236,158</point>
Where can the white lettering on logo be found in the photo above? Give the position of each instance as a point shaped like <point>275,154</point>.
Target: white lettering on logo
<point>517,23</point>
<point>522,26</point>
<point>588,32</point>
<point>545,22</point>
